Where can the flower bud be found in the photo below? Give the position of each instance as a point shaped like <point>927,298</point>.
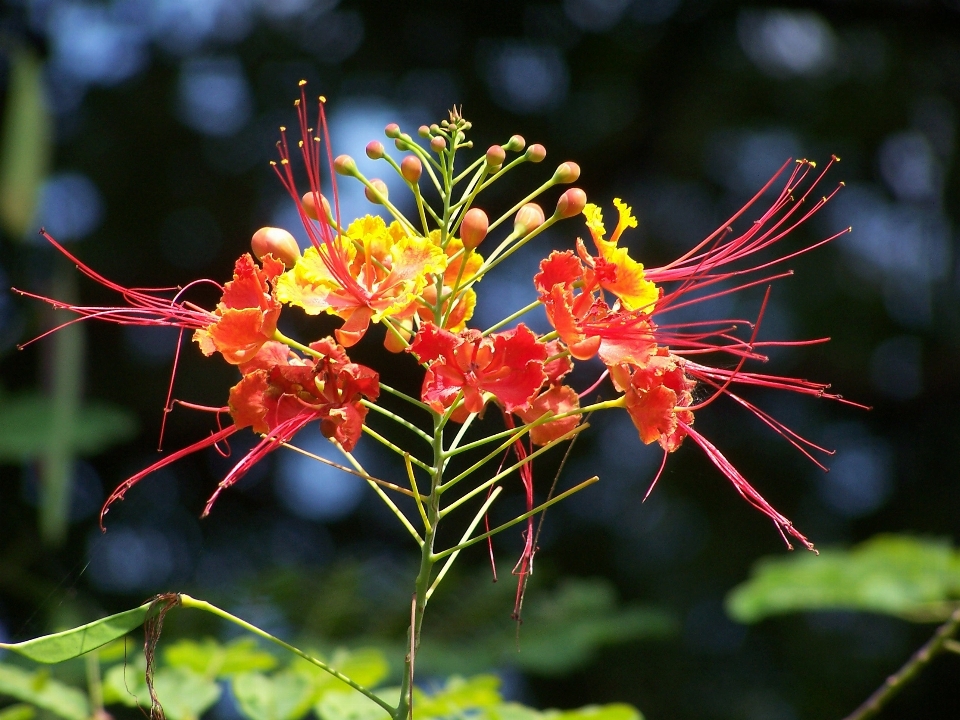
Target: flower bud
<point>374,149</point>
<point>528,219</point>
<point>495,156</point>
<point>380,186</point>
<point>568,172</point>
<point>516,143</point>
<point>424,131</point>
<point>411,168</point>
<point>392,130</point>
<point>310,206</point>
<point>473,229</point>
<point>434,129</point>
<point>277,242</point>
<point>438,144</point>
<point>345,165</point>
<point>571,203</point>
<point>536,153</point>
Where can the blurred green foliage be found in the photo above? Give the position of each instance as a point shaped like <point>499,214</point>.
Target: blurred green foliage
<point>911,578</point>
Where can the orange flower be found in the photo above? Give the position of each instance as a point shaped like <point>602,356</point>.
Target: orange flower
<point>246,316</point>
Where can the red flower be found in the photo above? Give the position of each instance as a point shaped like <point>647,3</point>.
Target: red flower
<point>246,316</point>
<point>279,394</point>
<point>508,365</point>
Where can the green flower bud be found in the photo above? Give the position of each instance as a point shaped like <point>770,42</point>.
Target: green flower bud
<point>571,203</point>
<point>277,242</point>
<point>381,187</point>
<point>528,219</point>
<point>568,172</point>
<point>345,165</point>
<point>516,143</point>
<point>374,149</point>
<point>392,130</point>
<point>424,131</point>
<point>473,229</point>
<point>411,168</point>
<point>536,153</point>
<point>495,156</point>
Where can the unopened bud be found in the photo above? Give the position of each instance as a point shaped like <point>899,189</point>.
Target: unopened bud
<point>568,172</point>
<point>516,143</point>
<point>277,242</point>
<point>495,156</point>
<point>310,206</point>
<point>434,129</point>
<point>381,187</point>
<point>438,144</point>
<point>473,229</point>
<point>374,149</point>
<point>424,131</point>
<point>536,153</point>
<point>571,203</point>
<point>411,168</point>
<point>345,165</point>
<point>528,219</point>
<point>392,130</point>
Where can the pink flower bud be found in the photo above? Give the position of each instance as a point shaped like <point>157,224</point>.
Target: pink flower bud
<point>392,130</point>
<point>473,229</point>
<point>411,168</point>
<point>528,219</point>
<point>568,172</point>
<point>277,242</point>
<point>536,153</point>
<point>438,144</point>
<point>310,206</point>
<point>345,165</point>
<point>380,186</point>
<point>516,143</point>
<point>423,131</point>
<point>374,149</point>
<point>571,203</point>
<point>495,156</point>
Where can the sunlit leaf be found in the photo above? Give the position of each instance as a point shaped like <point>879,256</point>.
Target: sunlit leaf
<point>614,711</point>
<point>72,643</point>
<point>912,578</point>
<point>26,422</point>
<point>211,659</point>
<point>18,712</point>
<point>351,705</point>
<point>39,689</point>
<point>286,695</point>
<point>365,666</point>
<point>458,696</point>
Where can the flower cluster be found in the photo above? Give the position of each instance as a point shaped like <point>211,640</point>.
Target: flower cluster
<point>418,278</point>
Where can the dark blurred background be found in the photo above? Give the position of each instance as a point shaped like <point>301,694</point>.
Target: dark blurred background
<point>138,132</point>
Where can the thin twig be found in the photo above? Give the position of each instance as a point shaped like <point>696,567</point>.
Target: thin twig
<point>920,659</point>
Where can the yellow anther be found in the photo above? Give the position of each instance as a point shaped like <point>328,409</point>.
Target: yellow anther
<point>284,162</point>
<point>322,99</point>
<point>302,83</point>
<point>283,128</point>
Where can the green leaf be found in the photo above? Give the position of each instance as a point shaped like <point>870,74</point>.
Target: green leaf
<point>184,694</point>
<point>351,705</point>
<point>458,696</point>
<point>287,695</point>
<point>911,578</point>
<point>26,422</point>
<point>39,689</point>
<point>614,711</point>
<point>26,144</point>
<point>366,666</point>
<point>211,659</point>
<point>18,712</point>
<point>72,643</point>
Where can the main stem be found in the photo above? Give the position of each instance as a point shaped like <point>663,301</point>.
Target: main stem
<point>427,562</point>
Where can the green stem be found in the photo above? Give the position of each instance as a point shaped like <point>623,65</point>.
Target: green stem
<point>466,536</point>
<point>189,602</point>
<point>920,659</point>
<point>516,520</point>
<point>404,396</point>
<point>94,684</point>
<point>397,419</point>
<point>510,318</point>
